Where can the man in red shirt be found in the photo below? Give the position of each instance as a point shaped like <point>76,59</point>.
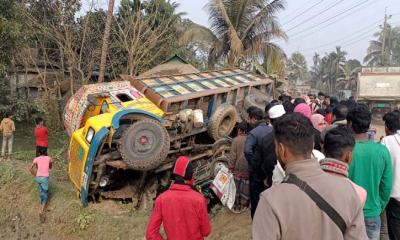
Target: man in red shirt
<point>41,135</point>
<point>181,209</point>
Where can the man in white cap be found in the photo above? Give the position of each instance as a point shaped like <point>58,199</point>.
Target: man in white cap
<point>271,167</point>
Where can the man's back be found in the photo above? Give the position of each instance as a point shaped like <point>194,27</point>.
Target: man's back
<point>7,126</point>
<point>253,144</point>
<point>371,169</point>
<point>239,163</point>
<point>286,212</point>
<point>183,213</point>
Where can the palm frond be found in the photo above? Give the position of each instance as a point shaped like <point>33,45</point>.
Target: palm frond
<point>198,33</point>
<point>222,25</point>
<point>265,20</point>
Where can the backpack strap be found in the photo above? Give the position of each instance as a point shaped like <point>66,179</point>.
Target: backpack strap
<point>321,203</point>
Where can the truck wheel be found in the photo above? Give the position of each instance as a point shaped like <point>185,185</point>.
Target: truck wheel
<point>221,147</point>
<point>255,100</point>
<point>144,145</point>
<point>217,164</point>
<point>222,122</point>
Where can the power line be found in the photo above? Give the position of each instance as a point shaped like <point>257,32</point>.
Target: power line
<point>331,23</point>
<point>373,25</point>
<point>353,41</point>
<point>315,15</point>
<point>344,44</point>
<point>360,33</point>
<point>300,14</point>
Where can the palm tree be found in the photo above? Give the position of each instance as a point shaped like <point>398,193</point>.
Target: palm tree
<point>241,30</point>
<point>297,67</point>
<point>332,68</point>
<point>376,55</point>
<point>316,71</point>
<point>350,71</point>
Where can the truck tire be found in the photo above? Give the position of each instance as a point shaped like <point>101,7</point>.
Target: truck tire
<point>217,164</point>
<point>222,121</point>
<point>255,100</point>
<point>144,145</point>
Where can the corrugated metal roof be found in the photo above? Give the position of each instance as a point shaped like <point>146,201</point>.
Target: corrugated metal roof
<point>177,85</point>
<point>174,65</point>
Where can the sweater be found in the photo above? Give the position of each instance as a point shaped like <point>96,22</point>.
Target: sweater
<point>371,169</point>
<point>7,126</point>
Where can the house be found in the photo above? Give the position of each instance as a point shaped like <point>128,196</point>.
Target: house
<point>172,66</point>
<point>33,81</point>
<point>31,76</point>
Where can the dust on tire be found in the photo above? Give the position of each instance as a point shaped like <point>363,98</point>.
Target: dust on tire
<point>141,157</point>
<point>222,122</point>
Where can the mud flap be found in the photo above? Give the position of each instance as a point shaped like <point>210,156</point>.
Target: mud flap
<point>94,147</point>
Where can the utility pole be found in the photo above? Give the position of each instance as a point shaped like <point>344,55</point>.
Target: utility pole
<point>383,40</point>
<point>384,36</point>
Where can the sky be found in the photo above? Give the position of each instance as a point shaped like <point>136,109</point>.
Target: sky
<point>318,25</point>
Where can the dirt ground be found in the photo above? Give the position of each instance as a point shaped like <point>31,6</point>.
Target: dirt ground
<point>66,219</point>
<point>380,129</point>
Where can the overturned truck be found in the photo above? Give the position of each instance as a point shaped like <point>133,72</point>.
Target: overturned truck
<point>126,134</point>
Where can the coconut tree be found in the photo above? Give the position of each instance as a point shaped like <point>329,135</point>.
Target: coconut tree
<point>384,51</point>
<point>350,73</point>
<point>316,71</point>
<point>332,68</point>
<point>240,30</point>
<point>297,67</point>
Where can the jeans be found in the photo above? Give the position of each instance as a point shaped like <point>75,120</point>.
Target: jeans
<point>7,144</point>
<point>43,187</point>
<point>373,226</point>
<point>393,219</point>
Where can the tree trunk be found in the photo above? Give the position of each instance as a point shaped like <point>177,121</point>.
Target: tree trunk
<point>103,59</point>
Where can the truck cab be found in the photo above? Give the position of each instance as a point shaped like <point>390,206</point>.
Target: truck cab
<point>93,118</point>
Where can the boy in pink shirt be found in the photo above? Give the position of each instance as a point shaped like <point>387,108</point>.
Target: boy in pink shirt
<point>43,165</point>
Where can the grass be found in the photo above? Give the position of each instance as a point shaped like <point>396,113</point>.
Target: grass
<point>66,218</point>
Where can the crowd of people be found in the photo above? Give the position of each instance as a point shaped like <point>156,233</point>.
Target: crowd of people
<point>308,168</point>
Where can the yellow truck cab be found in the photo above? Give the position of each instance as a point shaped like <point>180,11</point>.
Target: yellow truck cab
<point>92,117</point>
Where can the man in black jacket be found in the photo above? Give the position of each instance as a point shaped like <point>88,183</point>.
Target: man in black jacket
<point>252,153</point>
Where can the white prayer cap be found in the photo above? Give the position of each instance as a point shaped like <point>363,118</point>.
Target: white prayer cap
<point>276,111</point>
